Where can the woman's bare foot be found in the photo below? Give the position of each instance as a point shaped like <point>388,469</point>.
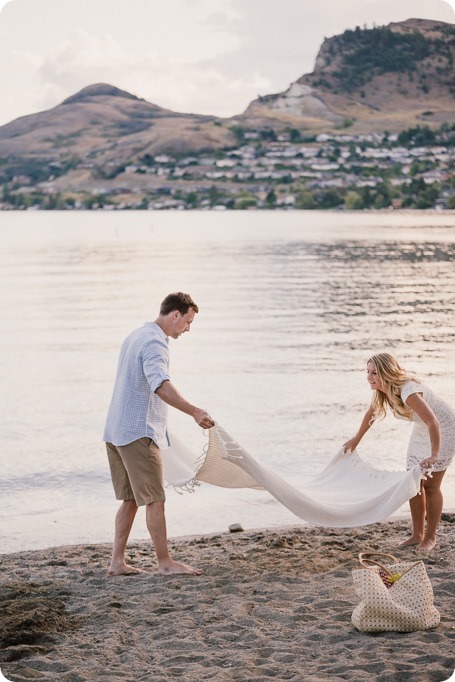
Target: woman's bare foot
<point>413,541</point>
<point>426,545</point>
<point>171,567</point>
<point>123,569</point>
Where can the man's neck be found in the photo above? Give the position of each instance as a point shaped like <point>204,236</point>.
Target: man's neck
<point>162,324</point>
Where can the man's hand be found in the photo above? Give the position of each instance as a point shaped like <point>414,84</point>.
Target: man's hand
<point>203,419</point>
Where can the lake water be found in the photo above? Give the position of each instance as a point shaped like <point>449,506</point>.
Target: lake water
<point>291,306</point>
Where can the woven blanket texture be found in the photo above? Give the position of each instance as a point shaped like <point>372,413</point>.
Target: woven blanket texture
<point>349,492</point>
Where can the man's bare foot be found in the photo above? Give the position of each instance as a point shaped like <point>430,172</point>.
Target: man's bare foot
<point>426,546</point>
<point>171,567</point>
<point>411,542</point>
<point>123,569</point>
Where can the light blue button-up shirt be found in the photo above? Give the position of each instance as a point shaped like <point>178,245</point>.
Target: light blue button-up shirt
<point>135,410</point>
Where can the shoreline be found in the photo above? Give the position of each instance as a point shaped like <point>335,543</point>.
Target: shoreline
<point>270,603</point>
<point>281,528</point>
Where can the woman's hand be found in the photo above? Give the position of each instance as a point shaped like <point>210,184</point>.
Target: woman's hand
<point>351,445</point>
<point>429,462</point>
<point>367,420</point>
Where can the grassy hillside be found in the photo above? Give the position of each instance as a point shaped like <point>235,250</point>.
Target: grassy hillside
<point>359,56</point>
<point>102,124</point>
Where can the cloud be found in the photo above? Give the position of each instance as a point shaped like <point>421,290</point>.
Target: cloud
<point>172,83</point>
<point>163,52</point>
<point>200,56</point>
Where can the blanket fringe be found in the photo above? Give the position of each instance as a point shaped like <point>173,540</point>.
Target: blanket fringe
<point>189,487</point>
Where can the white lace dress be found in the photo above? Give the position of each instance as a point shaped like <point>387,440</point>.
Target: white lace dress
<point>419,446</point>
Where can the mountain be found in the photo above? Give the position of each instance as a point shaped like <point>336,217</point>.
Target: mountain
<point>105,123</point>
<point>385,78</point>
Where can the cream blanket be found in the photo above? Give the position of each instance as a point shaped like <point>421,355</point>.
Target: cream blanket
<point>349,492</point>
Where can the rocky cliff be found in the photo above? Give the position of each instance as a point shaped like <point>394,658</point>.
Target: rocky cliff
<point>388,77</point>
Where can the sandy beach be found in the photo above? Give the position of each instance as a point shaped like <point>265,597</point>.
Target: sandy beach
<point>270,604</point>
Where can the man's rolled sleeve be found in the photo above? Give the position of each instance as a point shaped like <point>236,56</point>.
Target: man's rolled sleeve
<point>155,363</point>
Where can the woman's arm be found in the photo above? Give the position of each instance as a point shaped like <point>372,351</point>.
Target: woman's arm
<point>417,403</point>
<point>364,426</point>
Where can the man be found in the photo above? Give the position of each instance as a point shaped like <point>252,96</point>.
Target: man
<point>136,427</point>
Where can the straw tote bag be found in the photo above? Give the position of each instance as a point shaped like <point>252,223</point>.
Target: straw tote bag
<point>394,597</point>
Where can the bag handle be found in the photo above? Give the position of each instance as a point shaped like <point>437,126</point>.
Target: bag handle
<point>364,560</point>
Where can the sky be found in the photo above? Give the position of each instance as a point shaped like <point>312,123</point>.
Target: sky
<point>194,56</point>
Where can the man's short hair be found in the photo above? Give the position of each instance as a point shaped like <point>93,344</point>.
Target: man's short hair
<point>178,301</point>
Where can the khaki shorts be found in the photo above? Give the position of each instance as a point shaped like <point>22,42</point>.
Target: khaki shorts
<point>137,471</point>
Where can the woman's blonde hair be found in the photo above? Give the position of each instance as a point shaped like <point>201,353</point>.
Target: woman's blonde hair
<point>393,376</point>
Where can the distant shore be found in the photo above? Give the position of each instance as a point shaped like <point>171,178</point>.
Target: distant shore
<point>270,603</point>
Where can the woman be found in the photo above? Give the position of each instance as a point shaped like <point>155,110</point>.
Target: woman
<point>432,443</point>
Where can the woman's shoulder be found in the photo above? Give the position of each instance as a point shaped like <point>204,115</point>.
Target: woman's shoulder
<point>409,387</point>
